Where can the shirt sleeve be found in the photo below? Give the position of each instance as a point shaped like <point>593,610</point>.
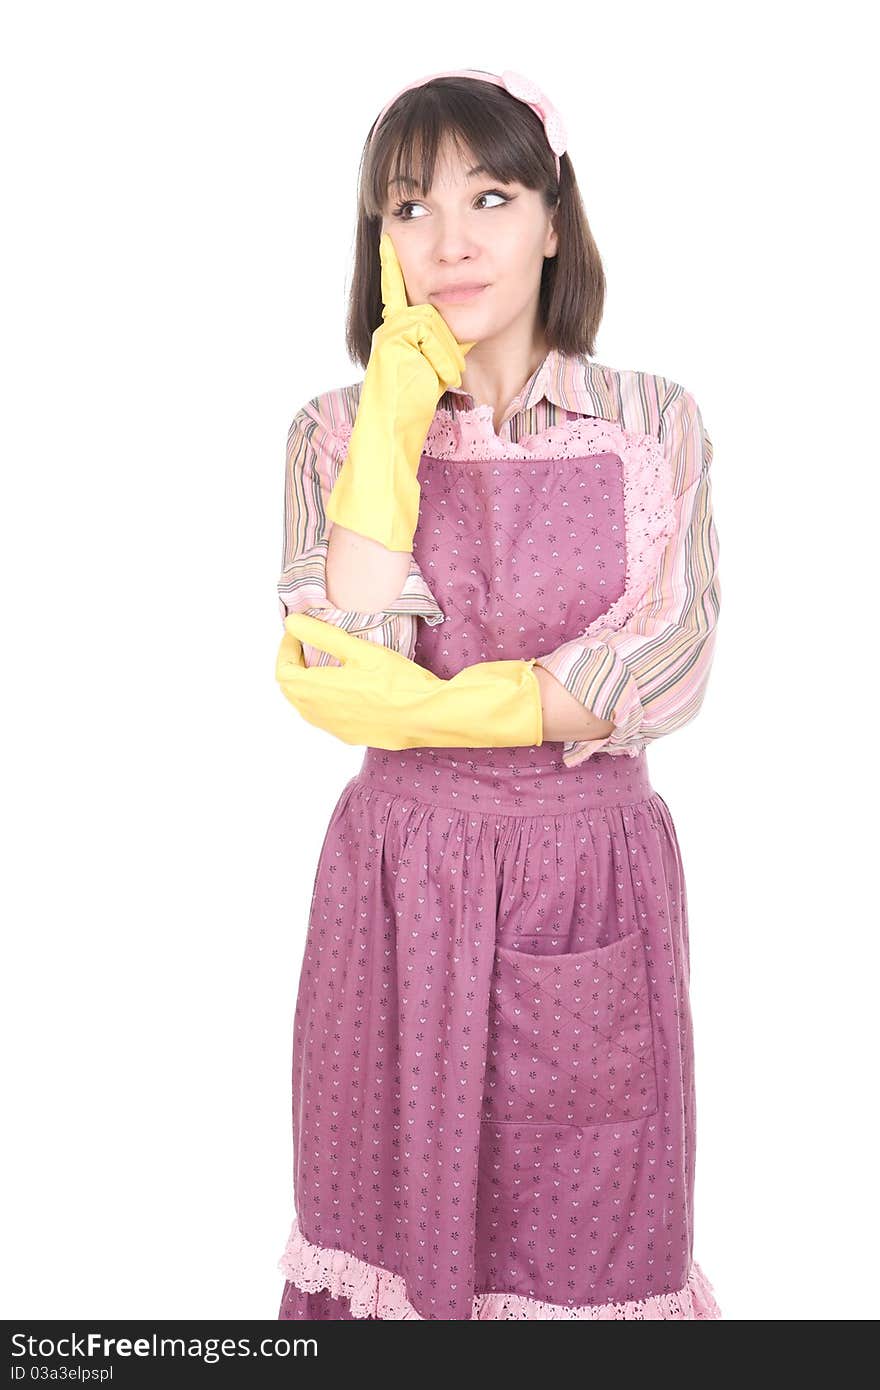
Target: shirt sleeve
<point>649,675</point>
<point>314,456</point>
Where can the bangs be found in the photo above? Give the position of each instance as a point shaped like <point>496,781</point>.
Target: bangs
<point>401,161</point>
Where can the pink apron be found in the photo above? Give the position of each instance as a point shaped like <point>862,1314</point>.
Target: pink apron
<point>493,1084</point>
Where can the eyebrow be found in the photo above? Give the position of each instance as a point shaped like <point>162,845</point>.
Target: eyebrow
<point>413,183</point>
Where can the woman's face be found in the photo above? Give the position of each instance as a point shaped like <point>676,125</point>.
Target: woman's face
<point>471,229</point>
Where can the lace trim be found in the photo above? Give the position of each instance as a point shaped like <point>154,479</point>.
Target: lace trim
<point>374,1292</point>
<point>648,491</point>
<point>468,436</point>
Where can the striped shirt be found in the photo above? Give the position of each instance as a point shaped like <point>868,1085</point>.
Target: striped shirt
<point>647,674</point>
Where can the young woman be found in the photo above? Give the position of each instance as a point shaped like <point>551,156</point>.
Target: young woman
<point>500,576</point>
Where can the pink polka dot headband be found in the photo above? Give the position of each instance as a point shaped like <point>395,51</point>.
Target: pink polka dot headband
<point>518,86</point>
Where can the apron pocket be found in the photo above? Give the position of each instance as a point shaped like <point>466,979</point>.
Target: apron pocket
<point>570,1037</point>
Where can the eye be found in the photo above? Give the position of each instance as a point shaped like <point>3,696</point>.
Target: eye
<point>493,194</point>
<point>400,209</point>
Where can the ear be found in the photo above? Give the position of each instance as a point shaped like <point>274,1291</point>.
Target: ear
<point>551,245</point>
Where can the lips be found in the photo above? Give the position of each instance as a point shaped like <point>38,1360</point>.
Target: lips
<point>451,289</point>
<point>458,294</point>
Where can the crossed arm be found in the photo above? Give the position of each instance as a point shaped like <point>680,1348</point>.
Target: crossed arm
<point>361,573</point>
<point>649,676</point>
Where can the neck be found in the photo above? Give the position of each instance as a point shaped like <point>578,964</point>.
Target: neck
<point>496,374</point>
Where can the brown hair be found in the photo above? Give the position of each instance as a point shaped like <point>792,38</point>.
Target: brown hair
<point>507,137</point>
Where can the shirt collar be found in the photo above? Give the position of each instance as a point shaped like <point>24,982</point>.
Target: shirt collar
<point>571,382</point>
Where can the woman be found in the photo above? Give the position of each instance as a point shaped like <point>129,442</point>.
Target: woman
<point>493,1084</point>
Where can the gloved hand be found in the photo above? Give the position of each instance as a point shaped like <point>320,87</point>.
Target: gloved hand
<point>414,358</point>
<point>383,700</point>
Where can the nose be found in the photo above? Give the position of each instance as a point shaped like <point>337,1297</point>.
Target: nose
<point>453,243</point>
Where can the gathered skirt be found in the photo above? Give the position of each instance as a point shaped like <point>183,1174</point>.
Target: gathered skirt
<point>493,1097</point>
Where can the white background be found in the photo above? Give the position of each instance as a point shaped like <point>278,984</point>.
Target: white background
<point>179,186</point>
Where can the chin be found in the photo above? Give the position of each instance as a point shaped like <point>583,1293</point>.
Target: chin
<point>473,310</point>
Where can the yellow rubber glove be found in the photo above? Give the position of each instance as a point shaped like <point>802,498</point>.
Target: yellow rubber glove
<point>381,699</point>
<point>414,358</point>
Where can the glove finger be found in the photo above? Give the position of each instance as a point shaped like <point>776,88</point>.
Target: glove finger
<point>290,655</point>
<point>419,323</point>
<point>322,699</point>
<point>393,285</point>
<point>315,690</point>
<point>326,637</point>
<point>444,334</point>
<point>444,355</point>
